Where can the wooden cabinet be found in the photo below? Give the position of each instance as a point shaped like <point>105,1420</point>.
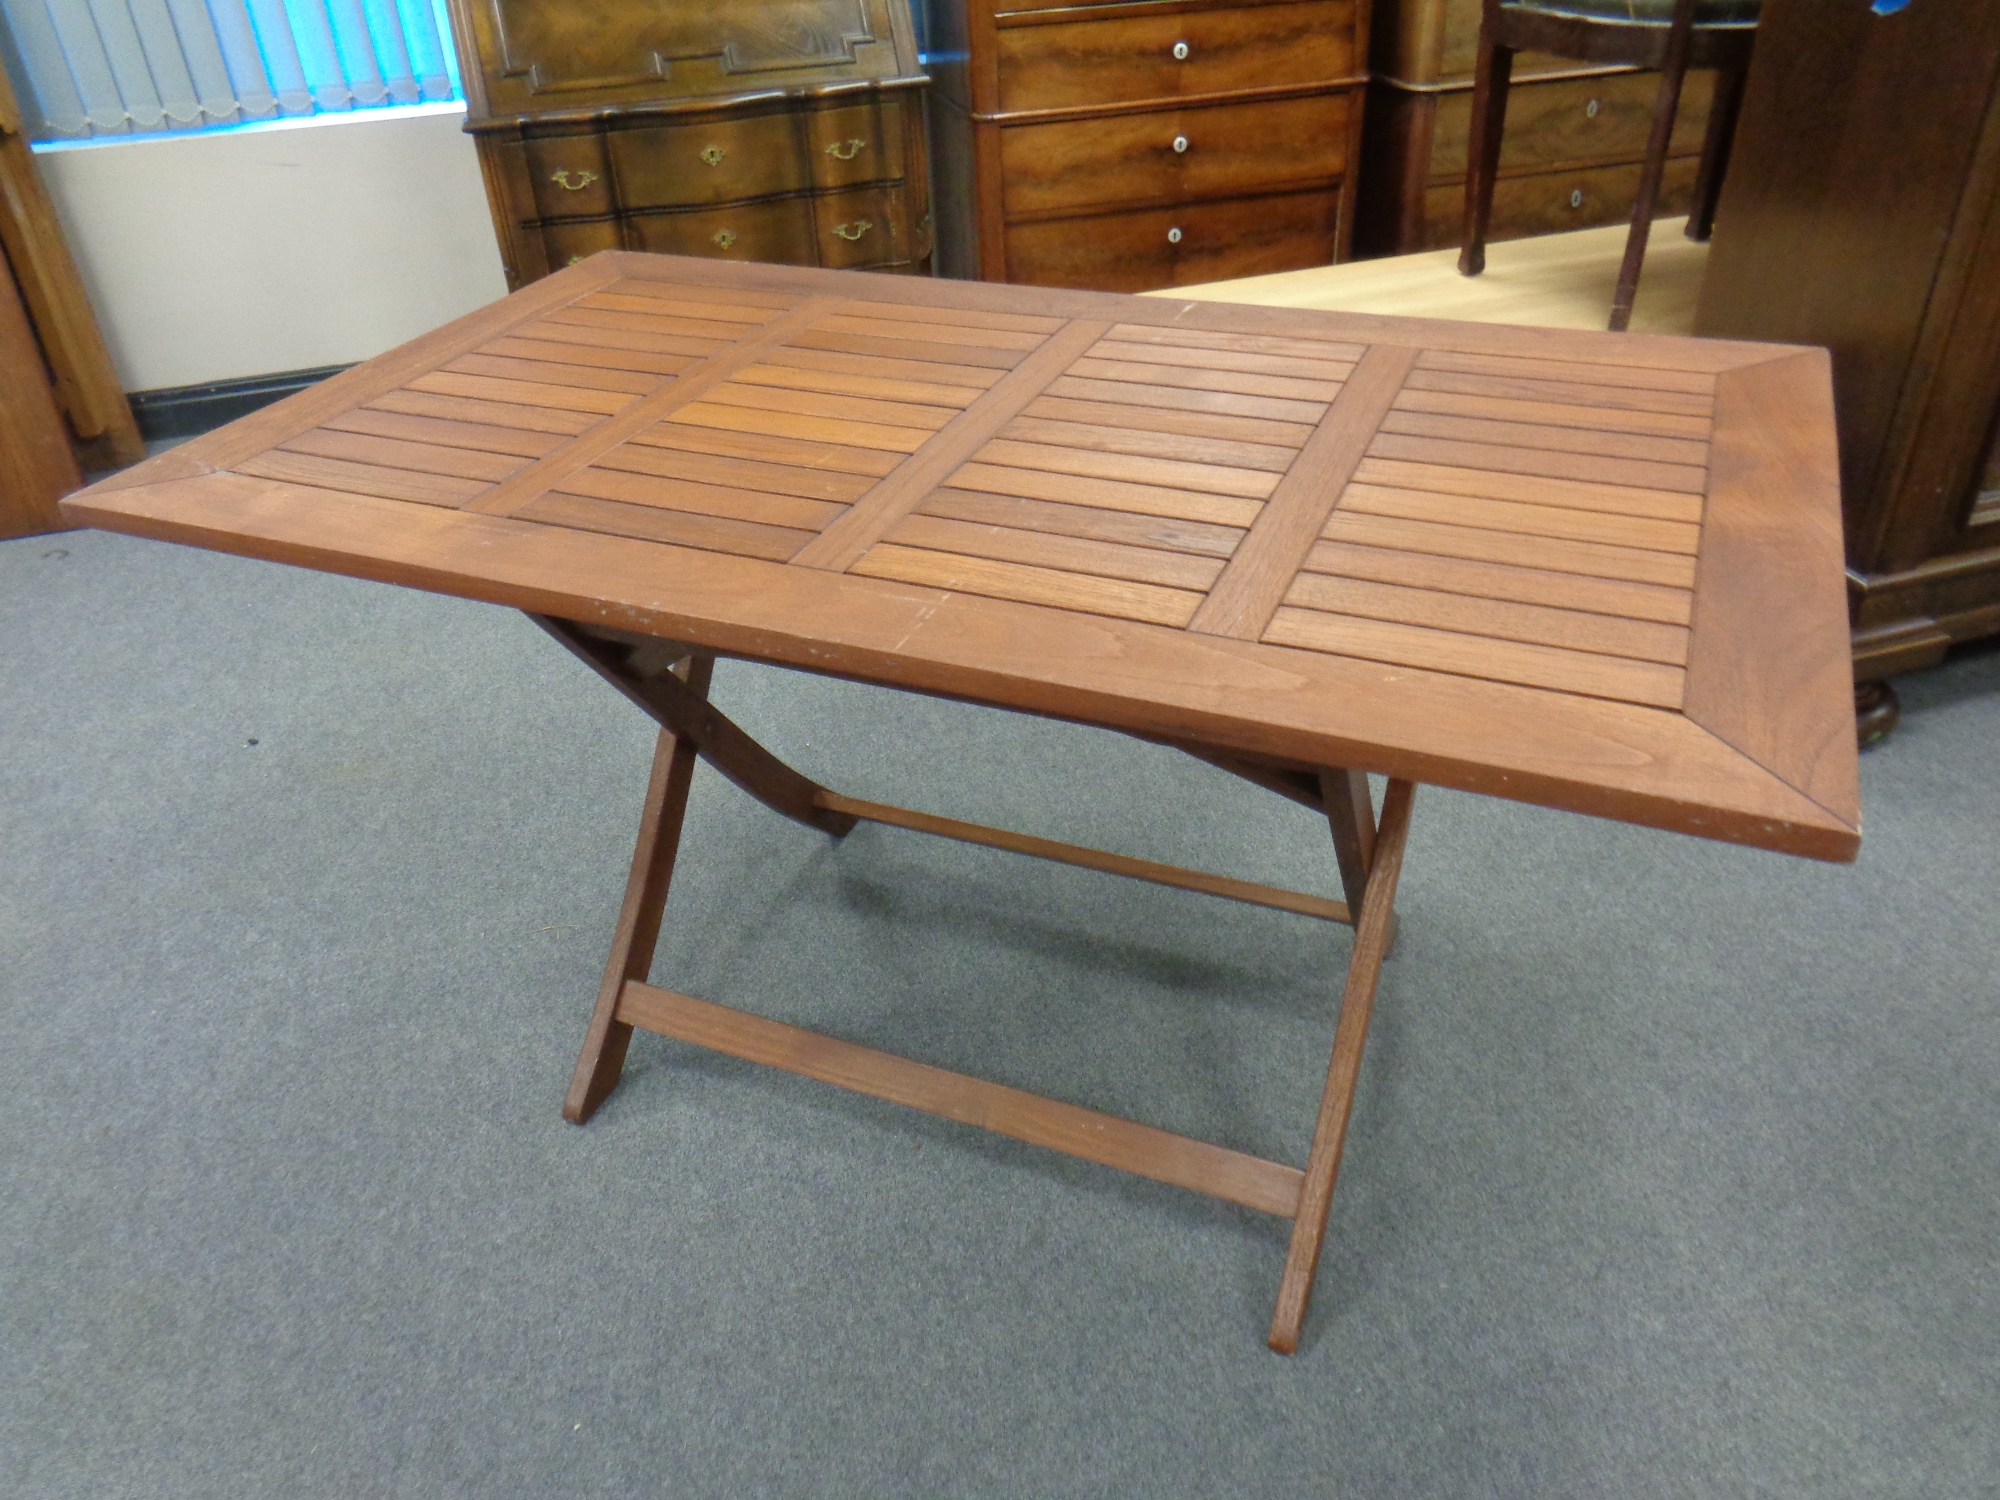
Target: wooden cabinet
<point>1569,157</point>
<point>789,131</point>
<point>1144,143</point>
<point>1862,212</point>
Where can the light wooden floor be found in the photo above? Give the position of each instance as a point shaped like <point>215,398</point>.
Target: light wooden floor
<point>1556,281</point>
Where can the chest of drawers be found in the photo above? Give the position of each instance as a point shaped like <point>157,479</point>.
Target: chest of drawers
<point>790,131</point>
<point>1146,143</point>
<point>1569,157</point>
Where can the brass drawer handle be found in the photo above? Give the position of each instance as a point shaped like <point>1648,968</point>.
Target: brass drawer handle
<point>724,237</point>
<point>846,150</point>
<point>713,155</point>
<point>853,230</point>
<point>560,177</point>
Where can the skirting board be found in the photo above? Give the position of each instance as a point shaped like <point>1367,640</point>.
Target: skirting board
<point>180,411</point>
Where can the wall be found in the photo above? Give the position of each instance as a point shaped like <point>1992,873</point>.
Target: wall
<point>250,252</point>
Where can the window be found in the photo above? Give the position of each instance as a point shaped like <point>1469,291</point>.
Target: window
<point>97,68</point>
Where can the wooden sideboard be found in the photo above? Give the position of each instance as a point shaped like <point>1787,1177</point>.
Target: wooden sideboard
<point>1569,158</point>
<point>1862,212</point>
<point>772,130</point>
<point>1144,143</point>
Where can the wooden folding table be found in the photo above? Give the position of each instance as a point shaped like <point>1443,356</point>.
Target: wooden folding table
<point>1597,572</point>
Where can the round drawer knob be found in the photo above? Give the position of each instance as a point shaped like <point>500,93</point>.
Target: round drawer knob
<point>1173,236</point>
<point>1576,198</point>
<point>1180,144</point>
<point>1590,110</point>
<point>1180,51</point>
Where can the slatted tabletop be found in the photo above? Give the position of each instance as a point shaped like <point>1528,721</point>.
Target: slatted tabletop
<point>1600,572</point>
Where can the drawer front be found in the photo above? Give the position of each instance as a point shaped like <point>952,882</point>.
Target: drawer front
<point>1174,155</point>
<point>861,227</point>
<point>569,175</point>
<point>1549,202</point>
<point>1572,120</point>
<point>781,232</point>
<point>570,241</point>
<point>1138,251</point>
<point>1117,61</point>
<point>673,166</point>
<point>857,143</point>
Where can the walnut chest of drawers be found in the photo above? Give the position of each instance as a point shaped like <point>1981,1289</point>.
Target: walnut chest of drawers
<point>772,130</point>
<point>1569,156</point>
<point>1143,144</point>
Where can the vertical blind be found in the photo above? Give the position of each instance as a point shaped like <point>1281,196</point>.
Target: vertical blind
<point>119,67</point>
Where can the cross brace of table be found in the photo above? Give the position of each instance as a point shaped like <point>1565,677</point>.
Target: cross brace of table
<point>670,681</point>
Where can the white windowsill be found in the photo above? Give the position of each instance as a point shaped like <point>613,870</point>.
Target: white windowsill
<point>290,122</point>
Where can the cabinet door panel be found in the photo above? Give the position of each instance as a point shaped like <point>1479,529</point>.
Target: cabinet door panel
<point>1225,150</point>
<point>1108,61</point>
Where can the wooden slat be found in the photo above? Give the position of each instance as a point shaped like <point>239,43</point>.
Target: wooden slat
<point>807,429</point>
<point>1582,672</point>
<point>841,383</point>
<point>1107,1139</point>
<point>363,479</point>
<point>883,367</point>
<point>1255,581</point>
<point>744,317</point>
<point>903,491</point>
<point>1298,902</point>
<point>1175,398</point>
<point>554,372</point>
<point>1063,553</point>
<point>479,437</point>
<point>1132,372</point>
<point>1532,489</point>
<point>589,355</point>
<point>834,340</point>
<point>590,336</point>
<point>1179,356</point>
<point>393,453</point>
<point>1608,635</point>
<point>544,419</point>
<point>1486,580</point>
<point>957,317</point>
<point>739,301</point>
<point>1084,521</point>
<point>769,448</point>
<point>740,473</point>
<point>547,473</point>
<point>702,499</point>
<point>1211,479</point>
<point>1665,450</point>
<point>681,528</point>
<point>1624,471</point>
<point>1634,375</point>
<point>521,392</point>
<point>1251,343</point>
<point>1605,398</point>
<point>1121,600</point>
<point>759,397</point>
<point>1590,559</point>
<point>1291,435</point>
<point>1137,499</point>
<point>950,334</point>
<point>1531,520</point>
<point>1769,667</point>
<point>1554,413</point>
<point>1184,448</point>
<point>643,322</point>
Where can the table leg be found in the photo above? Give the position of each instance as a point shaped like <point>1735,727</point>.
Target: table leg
<point>1364,968</point>
<point>638,930</point>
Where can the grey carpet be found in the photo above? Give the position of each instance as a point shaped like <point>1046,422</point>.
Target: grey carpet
<point>1675,1168</point>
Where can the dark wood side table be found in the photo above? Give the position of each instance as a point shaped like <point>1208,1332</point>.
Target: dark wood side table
<point>1862,212</point>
